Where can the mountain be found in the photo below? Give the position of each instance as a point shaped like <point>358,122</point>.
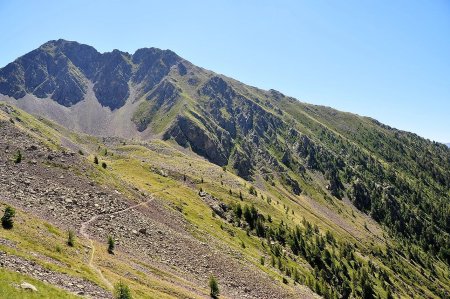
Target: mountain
<point>325,201</point>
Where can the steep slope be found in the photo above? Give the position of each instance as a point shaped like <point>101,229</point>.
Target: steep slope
<point>317,162</point>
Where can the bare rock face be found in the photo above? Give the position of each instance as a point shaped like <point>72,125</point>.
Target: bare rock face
<point>111,80</point>
<point>44,73</point>
<point>61,70</point>
<point>216,147</point>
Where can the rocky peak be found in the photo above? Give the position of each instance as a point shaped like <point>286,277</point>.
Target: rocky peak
<point>61,69</point>
<point>152,66</point>
<point>82,56</point>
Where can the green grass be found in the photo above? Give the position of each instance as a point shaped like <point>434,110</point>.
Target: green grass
<point>37,239</point>
<point>35,128</point>
<point>10,289</point>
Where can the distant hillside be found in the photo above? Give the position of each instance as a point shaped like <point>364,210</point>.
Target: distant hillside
<point>297,158</point>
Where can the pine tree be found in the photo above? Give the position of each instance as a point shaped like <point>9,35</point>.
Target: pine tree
<point>238,211</point>
<point>71,238</point>
<point>111,245</point>
<point>389,293</point>
<point>8,218</point>
<point>214,287</point>
<point>18,157</point>
<point>122,291</point>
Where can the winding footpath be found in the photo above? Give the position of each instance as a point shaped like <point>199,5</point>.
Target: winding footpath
<point>85,234</point>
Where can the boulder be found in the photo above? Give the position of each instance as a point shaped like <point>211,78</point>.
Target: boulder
<point>28,286</point>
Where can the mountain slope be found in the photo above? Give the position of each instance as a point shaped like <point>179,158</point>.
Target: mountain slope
<point>56,189</point>
<point>167,235</point>
<point>319,162</point>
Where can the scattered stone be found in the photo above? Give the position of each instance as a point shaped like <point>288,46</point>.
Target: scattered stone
<point>61,280</point>
<point>28,286</point>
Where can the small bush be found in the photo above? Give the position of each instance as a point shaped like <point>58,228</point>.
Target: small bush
<point>8,218</point>
<point>95,160</point>
<point>296,276</point>
<point>104,165</point>
<point>111,245</point>
<point>122,291</point>
<point>71,238</point>
<point>80,152</point>
<point>18,157</point>
<point>214,287</point>
<point>252,191</point>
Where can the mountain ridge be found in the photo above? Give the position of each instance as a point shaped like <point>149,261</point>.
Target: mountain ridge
<point>313,157</point>
<point>40,70</point>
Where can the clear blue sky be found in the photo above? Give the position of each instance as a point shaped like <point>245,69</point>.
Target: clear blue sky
<point>386,59</point>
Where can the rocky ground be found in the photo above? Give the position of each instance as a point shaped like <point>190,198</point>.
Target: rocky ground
<point>72,284</point>
<point>46,183</point>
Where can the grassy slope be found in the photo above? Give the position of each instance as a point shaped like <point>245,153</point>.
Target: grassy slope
<point>134,168</point>
<point>10,281</point>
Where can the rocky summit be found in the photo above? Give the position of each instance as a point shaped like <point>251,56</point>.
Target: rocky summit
<point>145,173</point>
